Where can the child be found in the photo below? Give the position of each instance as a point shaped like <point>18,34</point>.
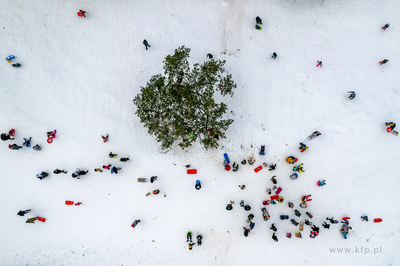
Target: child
<point>155,192</point>
<point>31,220</point>
<point>274,55</point>
<point>235,167</point>
<point>146,44</point>
<point>124,159</point>
<point>107,166</point>
<point>258,21</point>
<point>51,134</point>
<point>42,175</point>
<point>319,64</point>
<point>16,65</point>
<point>321,183</point>
<point>6,136</point>
<point>105,139</point>
<point>298,168</point>
<point>306,198</point>
<point>115,170</point>
<point>352,95</point>
<point>199,238</point>
<point>22,213</point>
<point>133,225</point>
<point>36,147</point>
<point>112,155</point>
<point>27,142</point>
<point>14,147</point>
<point>189,237</point>
<point>153,178</point>
<point>272,167</point>
<point>210,56</point>
<point>229,207</point>
<point>98,170</point>
<point>274,237</point>
<point>291,160</point>
<point>364,218</point>
<point>274,180</point>
<point>273,227</point>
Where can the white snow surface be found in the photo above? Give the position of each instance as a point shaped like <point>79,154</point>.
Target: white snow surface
<point>80,75</point>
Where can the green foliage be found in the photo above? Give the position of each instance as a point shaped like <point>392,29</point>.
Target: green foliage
<point>180,105</point>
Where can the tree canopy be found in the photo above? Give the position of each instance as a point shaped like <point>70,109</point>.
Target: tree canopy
<point>180,105</point>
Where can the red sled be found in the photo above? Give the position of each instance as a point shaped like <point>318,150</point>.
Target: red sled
<point>192,171</point>
<point>41,219</point>
<point>377,220</point>
<point>302,150</point>
<point>346,218</point>
<point>228,167</point>
<point>258,169</point>
<point>274,197</point>
<point>68,202</point>
<point>278,191</point>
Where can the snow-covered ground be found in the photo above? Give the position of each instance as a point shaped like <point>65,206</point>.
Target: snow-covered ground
<point>80,75</point>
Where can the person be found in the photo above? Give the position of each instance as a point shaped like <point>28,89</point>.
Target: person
<point>298,235</point>
<point>258,21</point>
<point>352,95</point>
<point>198,185</point>
<point>291,160</point>
<point>297,213</point>
<point>250,217</point>
<point>385,27</point>
<point>105,139</point>
<point>242,187</point>
<point>58,171</point>
<point>307,222</point>
<point>155,192</point>
<point>22,213</point>
<point>289,235</point>
<point>107,166</point>
<point>98,170</point>
<point>14,147</point>
<point>199,238</point>
<point>309,215</point>
<point>384,61</point>
<point>294,222</point>
<point>114,170</point>
<point>303,147</point>
<point>315,228</point>
<point>273,227</point>
<point>274,180</point>
<point>235,167</point>
<point>42,175</point>
<point>16,65</point>
<point>306,198</point>
<point>364,218</point>
<point>124,159</point>
<point>246,231</point>
<point>187,166</point>
<point>272,167</point>
<point>241,203</point>
<point>244,162</point>
<point>191,246</point>
<point>225,163</point>
<point>81,13</point>
<point>229,207</point>
<point>31,220</point>
<point>252,160</point>
<point>210,56</point>
<point>274,237</point>
<point>153,178</point>
<point>51,134</point>
<point>251,225</point>
<point>326,225</point>
<point>36,147</point>
<point>82,172</point>
<point>298,168</point>
<point>133,225</point>
<point>146,44</point>
<point>332,221</point>
<point>303,205</point>
<point>274,55</point>
<point>6,136</point>
<point>247,208</point>
<point>269,191</point>
<point>313,135</point>
<point>189,236</point>
<point>112,155</point>
<point>76,173</point>
<point>391,125</point>
<point>319,64</point>
<point>321,183</point>
<point>291,205</point>
<point>27,142</point>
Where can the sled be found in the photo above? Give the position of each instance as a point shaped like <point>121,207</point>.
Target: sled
<point>284,217</point>
<point>49,140</point>
<point>41,219</point>
<point>394,132</point>
<point>227,158</point>
<point>142,180</point>
<point>377,220</point>
<point>68,202</point>
<point>191,171</point>
<point>274,197</point>
<point>302,150</point>
<point>228,167</point>
<point>80,13</point>
<point>148,194</point>
<point>301,226</point>
<point>278,191</point>
<point>346,218</point>
<point>281,200</point>
<point>262,151</point>
<point>257,27</point>
<point>294,176</point>
<point>258,169</point>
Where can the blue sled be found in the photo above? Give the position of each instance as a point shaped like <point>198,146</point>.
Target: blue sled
<point>227,158</point>
<point>284,217</point>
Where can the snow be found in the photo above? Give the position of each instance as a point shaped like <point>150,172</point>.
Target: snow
<point>80,75</point>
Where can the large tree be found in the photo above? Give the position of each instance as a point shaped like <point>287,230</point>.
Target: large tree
<point>180,105</point>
